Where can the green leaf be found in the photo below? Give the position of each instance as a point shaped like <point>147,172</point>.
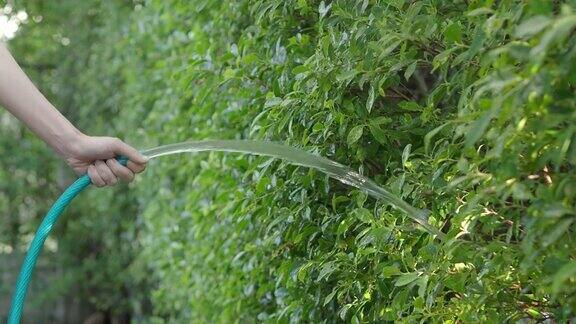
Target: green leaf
<point>229,73</point>
<point>567,272</point>
<point>302,272</point>
<point>431,134</point>
<point>442,58</point>
<point>355,134</point>
<point>327,269</point>
<point>329,297</point>
<point>419,303</point>
<point>389,271</point>
<point>388,50</point>
<point>370,101</point>
<point>346,76</point>
<point>345,225</point>
<point>477,43</point>
<point>410,106</point>
<point>406,278</point>
<point>364,215</point>
<point>344,310</point>
<point>555,210</point>
<point>453,33</point>
<point>338,199</point>
<point>557,232</point>
<point>480,12</point>
<point>477,128</point>
<point>406,154</point>
<point>382,120</point>
<point>556,33</point>
<point>361,198</point>
<point>249,58</point>
<point>378,133</point>
<point>271,102</point>
<point>410,70</point>
<point>521,192</point>
<point>532,26</point>
<point>300,69</point>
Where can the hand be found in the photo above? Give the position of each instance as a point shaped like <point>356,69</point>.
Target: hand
<point>96,156</point>
<point>85,154</point>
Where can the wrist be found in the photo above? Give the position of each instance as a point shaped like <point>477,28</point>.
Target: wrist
<point>67,142</point>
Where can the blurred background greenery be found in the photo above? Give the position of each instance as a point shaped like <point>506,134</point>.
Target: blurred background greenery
<point>463,107</point>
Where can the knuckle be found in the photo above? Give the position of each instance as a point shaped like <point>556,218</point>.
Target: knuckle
<point>125,173</point>
<point>117,142</point>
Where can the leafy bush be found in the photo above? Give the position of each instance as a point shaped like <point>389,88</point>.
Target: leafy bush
<point>465,108</point>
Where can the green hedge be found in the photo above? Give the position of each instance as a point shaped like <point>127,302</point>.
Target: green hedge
<point>465,108</point>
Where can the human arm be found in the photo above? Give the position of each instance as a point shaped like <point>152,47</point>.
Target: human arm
<point>85,154</point>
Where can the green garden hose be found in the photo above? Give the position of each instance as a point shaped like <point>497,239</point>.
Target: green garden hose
<point>38,242</point>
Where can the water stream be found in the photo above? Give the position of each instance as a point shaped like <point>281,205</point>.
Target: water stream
<point>302,158</point>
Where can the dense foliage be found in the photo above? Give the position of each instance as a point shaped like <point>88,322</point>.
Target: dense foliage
<point>465,108</point>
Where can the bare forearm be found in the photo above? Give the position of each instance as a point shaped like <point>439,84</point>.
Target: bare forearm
<point>19,95</point>
<point>85,154</point>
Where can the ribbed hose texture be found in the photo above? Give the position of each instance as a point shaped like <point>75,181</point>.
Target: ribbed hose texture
<point>38,242</point>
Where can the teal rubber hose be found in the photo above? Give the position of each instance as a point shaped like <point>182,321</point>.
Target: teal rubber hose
<point>38,242</point>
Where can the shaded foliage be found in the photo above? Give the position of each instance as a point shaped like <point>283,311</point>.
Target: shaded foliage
<point>462,107</point>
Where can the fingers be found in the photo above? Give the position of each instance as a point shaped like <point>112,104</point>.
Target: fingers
<point>136,161</point>
<point>105,173</point>
<point>136,167</point>
<point>121,148</point>
<point>120,171</point>
<point>95,177</point>
<point>98,154</point>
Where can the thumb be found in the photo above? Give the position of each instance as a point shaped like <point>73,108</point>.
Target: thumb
<point>121,148</point>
